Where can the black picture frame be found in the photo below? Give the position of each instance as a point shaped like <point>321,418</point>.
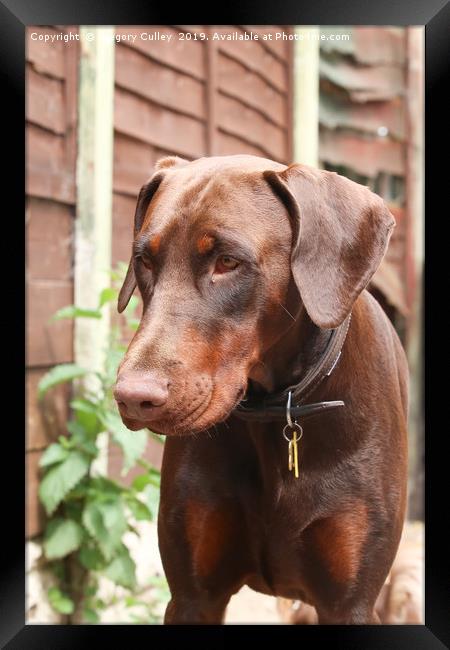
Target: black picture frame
<point>15,15</point>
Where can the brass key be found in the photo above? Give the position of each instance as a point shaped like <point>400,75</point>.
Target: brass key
<point>295,448</point>
<point>297,433</point>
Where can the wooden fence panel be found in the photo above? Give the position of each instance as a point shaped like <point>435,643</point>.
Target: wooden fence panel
<point>51,107</point>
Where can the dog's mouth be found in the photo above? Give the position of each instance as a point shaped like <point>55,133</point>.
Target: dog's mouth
<point>203,417</point>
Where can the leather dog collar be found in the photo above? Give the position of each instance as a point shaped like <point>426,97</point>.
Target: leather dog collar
<point>273,406</point>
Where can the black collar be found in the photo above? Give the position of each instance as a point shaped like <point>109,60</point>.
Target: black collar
<point>273,405</point>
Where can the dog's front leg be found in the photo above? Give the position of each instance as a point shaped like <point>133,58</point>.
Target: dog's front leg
<point>195,610</point>
<point>201,532</point>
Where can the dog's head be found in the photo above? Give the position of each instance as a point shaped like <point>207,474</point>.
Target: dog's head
<point>220,247</point>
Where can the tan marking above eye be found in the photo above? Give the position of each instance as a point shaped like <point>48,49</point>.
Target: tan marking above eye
<point>154,244</point>
<point>205,244</point>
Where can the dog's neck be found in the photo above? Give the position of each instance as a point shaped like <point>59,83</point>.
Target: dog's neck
<point>287,361</point>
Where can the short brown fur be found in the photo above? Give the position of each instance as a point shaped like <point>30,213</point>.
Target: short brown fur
<point>308,242</point>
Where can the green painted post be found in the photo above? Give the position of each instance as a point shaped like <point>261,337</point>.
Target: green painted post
<point>306,95</point>
<point>94,197</point>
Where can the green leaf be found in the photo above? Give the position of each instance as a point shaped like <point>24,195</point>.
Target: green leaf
<point>83,405</point>
<point>90,590</point>
<point>71,311</point>
<point>106,523</point>
<point>73,507</point>
<point>133,323</point>
<point>156,436</point>
<point>58,568</point>
<point>100,604</point>
<point>107,295</point>
<point>59,480</point>
<point>89,447</point>
<point>133,443</point>
<point>122,570</point>
<point>140,481</point>
<point>152,497</point>
<point>63,536</point>
<point>133,529</point>
<point>133,303</point>
<point>55,453</point>
<point>140,511</point>
<point>119,272</point>
<point>152,477</point>
<point>132,601</point>
<point>60,602</point>
<point>87,415</point>
<point>76,429</point>
<point>90,615</point>
<point>59,375</point>
<point>100,486</point>
<point>91,558</point>
<point>113,359</point>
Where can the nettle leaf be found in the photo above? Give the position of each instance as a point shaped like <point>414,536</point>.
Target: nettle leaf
<point>132,304</point>
<point>140,482</point>
<point>59,480</point>
<point>133,443</point>
<point>55,453</point>
<point>60,601</point>
<point>152,477</point>
<point>90,590</point>
<point>152,495</point>
<point>113,359</point>
<point>63,536</point>
<point>133,323</point>
<point>83,405</point>
<point>90,615</point>
<point>73,507</point>
<point>58,375</point>
<point>100,486</point>
<point>119,272</point>
<point>76,429</point>
<point>106,523</point>
<point>156,436</point>
<point>72,311</point>
<point>89,447</point>
<point>108,295</point>
<point>86,413</point>
<point>122,570</point>
<point>91,558</point>
<point>139,509</point>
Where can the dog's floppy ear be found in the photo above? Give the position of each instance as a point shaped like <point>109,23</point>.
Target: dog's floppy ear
<point>145,196</point>
<point>340,234</point>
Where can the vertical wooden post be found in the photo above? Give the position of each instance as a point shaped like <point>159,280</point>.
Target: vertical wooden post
<point>290,99</point>
<point>94,197</point>
<point>211,94</point>
<point>414,259</point>
<point>306,96</point>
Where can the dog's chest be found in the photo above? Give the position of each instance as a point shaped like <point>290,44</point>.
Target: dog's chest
<point>278,546</point>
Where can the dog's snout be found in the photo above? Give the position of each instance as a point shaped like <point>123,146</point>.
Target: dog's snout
<point>139,395</point>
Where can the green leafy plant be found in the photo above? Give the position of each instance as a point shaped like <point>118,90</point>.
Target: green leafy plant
<point>88,514</point>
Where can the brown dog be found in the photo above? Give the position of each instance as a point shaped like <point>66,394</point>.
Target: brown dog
<point>249,271</point>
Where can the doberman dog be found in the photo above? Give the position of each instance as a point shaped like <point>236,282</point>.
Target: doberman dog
<point>253,277</point>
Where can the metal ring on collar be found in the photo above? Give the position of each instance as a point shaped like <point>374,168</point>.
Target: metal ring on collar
<point>292,426</point>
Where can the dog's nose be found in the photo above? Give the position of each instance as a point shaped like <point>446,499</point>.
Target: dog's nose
<point>140,395</point>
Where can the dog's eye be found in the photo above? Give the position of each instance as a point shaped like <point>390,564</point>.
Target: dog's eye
<point>225,263</point>
<point>147,262</point>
